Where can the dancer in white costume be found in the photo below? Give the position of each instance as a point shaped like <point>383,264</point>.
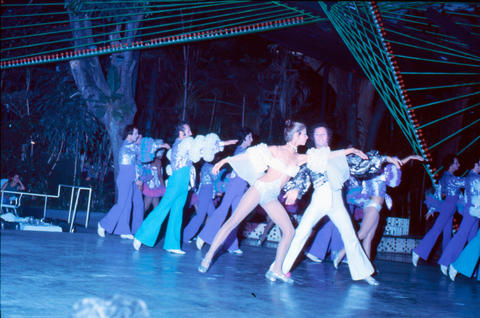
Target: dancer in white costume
<point>327,200</point>
<point>266,169</point>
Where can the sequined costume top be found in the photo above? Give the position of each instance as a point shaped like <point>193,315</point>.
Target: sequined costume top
<point>206,175</point>
<point>472,193</point>
<point>151,176</point>
<point>208,178</point>
<point>360,192</point>
<point>335,172</point>
<point>129,153</point>
<point>366,169</point>
<point>449,188</point>
<point>449,185</point>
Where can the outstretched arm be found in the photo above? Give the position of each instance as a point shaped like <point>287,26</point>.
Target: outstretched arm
<point>228,142</point>
<point>349,151</point>
<point>216,168</point>
<point>412,157</point>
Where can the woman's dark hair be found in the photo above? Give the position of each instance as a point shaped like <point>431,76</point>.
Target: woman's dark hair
<point>128,130</point>
<point>180,127</point>
<point>318,125</point>
<point>292,127</point>
<point>242,133</point>
<point>448,161</point>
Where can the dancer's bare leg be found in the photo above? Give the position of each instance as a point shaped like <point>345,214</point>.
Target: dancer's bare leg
<point>155,202</point>
<point>146,203</point>
<point>367,231</point>
<point>277,213</point>
<point>267,229</point>
<point>371,218</point>
<point>248,202</point>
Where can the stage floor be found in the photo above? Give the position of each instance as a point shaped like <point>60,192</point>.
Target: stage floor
<point>44,274</point>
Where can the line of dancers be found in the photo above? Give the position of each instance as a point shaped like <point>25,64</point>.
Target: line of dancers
<point>260,174</point>
<point>449,198</point>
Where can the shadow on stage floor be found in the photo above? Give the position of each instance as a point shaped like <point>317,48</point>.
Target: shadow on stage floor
<point>44,274</point>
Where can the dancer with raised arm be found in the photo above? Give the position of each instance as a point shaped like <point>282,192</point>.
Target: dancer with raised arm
<point>327,177</point>
<point>184,152</point>
<point>266,169</point>
<point>234,191</point>
<point>371,195</point>
<point>469,226</point>
<point>448,186</point>
<point>118,219</point>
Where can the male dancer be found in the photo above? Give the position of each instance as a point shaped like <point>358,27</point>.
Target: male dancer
<point>467,260</point>
<point>328,187</point>
<point>184,151</point>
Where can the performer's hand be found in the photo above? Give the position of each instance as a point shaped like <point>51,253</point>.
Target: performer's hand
<point>166,146</point>
<point>216,168</point>
<point>290,196</point>
<point>414,157</point>
<point>359,153</point>
<point>139,184</point>
<point>230,142</point>
<point>428,215</point>
<point>394,160</point>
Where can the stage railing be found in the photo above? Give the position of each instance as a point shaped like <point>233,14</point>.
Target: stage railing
<point>72,210</point>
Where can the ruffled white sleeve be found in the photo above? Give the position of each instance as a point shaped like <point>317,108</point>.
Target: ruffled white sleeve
<point>252,164</point>
<point>205,147</point>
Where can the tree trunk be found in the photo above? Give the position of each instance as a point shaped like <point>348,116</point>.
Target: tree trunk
<point>111,98</point>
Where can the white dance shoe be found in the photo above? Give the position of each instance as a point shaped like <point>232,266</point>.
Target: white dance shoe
<point>176,251</point>
<point>126,236</point>
<point>272,276</point>
<point>136,244</point>
<point>452,272</point>
<point>100,230</point>
<point>204,266</point>
<point>444,270</point>
<point>199,243</point>
<point>336,261</point>
<point>371,281</point>
<point>415,259</point>
<point>313,258</point>
<point>236,252</point>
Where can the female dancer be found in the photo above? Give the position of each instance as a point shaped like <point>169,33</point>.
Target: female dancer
<point>281,163</point>
<point>373,194</point>
<point>153,185</point>
<point>234,191</point>
<point>184,151</point>
<point>469,225</point>
<point>328,180</point>
<point>117,220</point>
<point>449,185</point>
<point>206,193</point>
